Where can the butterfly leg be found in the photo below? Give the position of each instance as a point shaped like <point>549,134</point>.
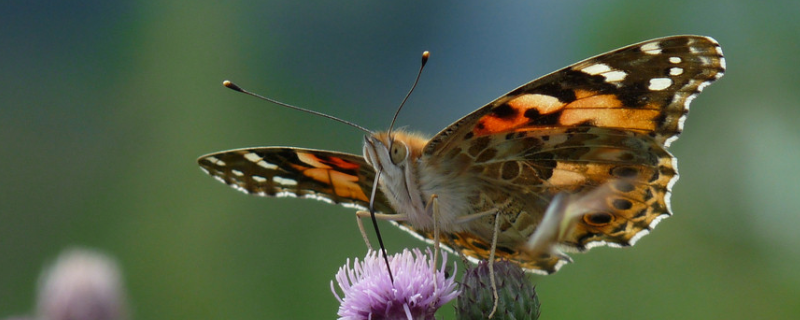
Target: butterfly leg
<point>382,216</point>
<point>433,207</point>
<point>363,231</point>
<point>365,214</point>
<point>491,263</point>
<point>475,216</point>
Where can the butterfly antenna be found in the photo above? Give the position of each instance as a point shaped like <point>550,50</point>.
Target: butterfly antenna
<point>375,224</point>
<point>425,56</point>
<point>233,86</point>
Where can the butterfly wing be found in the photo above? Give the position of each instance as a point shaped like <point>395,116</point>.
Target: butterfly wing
<point>332,177</point>
<point>606,120</point>
<point>645,87</point>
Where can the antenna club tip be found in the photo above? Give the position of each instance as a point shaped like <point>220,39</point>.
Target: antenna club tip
<point>425,56</point>
<point>230,85</point>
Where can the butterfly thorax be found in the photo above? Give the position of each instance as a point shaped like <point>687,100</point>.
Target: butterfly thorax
<point>400,159</point>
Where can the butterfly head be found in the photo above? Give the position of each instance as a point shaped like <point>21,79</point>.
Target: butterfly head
<point>393,152</point>
<point>395,155</point>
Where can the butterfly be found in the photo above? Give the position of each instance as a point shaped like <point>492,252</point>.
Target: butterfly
<point>492,178</point>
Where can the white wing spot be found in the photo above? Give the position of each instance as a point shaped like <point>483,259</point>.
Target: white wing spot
<point>651,48</point>
<point>596,69</point>
<point>216,161</point>
<point>237,172</point>
<point>259,179</point>
<point>689,100</point>
<point>604,70</point>
<point>286,194</point>
<point>240,188</point>
<point>615,76</point>
<point>353,206</point>
<point>659,218</point>
<point>675,60</point>
<point>318,197</point>
<point>259,161</point>
<point>284,181</point>
<point>658,84</point>
<point>699,84</point>
<point>641,234</point>
<point>675,71</point>
<point>703,86</point>
<point>595,244</point>
<point>667,200</point>
<point>252,157</point>
<point>267,165</point>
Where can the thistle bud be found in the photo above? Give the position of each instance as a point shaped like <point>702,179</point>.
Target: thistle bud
<point>516,295</point>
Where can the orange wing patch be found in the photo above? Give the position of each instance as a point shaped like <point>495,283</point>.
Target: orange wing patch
<point>528,111</point>
<point>606,110</point>
<point>329,171</point>
<point>517,113</point>
<point>544,104</point>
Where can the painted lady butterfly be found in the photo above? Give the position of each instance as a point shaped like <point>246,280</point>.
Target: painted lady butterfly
<point>602,123</point>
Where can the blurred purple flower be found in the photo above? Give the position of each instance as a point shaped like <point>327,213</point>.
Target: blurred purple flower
<point>415,294</point>
<point>82,284</point>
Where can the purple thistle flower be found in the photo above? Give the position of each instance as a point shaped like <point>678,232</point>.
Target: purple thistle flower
<point>81,284</point>
<point>415,294</point>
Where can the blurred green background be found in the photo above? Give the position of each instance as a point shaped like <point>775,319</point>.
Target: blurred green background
<point>105,106</point>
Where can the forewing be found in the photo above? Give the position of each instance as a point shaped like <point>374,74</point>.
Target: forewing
<point>645,87</point>
<point>332,177</point>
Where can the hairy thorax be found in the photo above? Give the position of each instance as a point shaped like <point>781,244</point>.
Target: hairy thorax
<point>411,184</point>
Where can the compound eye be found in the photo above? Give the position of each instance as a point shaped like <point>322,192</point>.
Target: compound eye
<point>398,153</point>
